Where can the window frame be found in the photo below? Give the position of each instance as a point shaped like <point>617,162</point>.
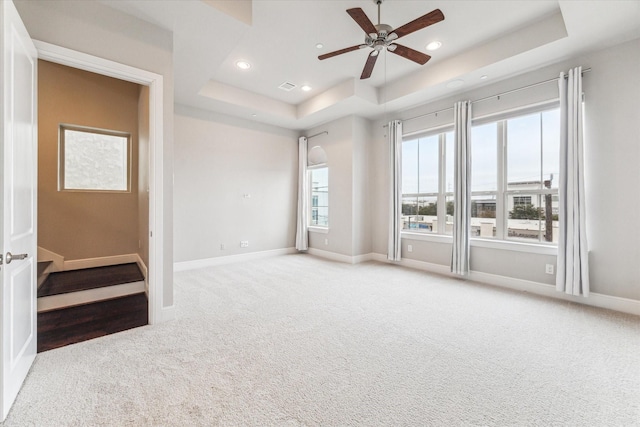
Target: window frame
<point>442,195</point>
<point>62,159</point>
<point>501,240</point>
<point>310,225</point>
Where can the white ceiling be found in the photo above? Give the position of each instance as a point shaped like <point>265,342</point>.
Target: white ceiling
<point>493,38</point>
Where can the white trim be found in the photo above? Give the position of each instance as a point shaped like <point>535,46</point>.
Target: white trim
<point>166,314</point>
<point>418,265</point>
<point>505,245</point>
<point>47,255</point>
<point>340,257</point>
<point>154,81</point>
<point>54,302</point>
<point>210,262</point>
<point>316,229</point>
<point>78,264</point>
<point>357,259</point>
<point>509,245</point>
<point>624,305</point>
<point>427,237</point>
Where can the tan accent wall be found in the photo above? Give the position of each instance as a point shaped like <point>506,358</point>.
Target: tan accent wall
<point>143,174</point>
<point>81,225</point>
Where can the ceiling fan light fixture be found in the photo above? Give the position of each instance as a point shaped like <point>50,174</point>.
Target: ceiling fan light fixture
<point>243,65</point>
<point>434,45</point>
<point>379,37</point>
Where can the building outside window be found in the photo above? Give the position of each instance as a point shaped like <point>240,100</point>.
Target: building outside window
<point>427,183</point>
<point>319,178</point>
<point>514,179</point>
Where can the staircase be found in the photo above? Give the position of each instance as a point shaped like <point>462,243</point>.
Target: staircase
<point>78,305</point>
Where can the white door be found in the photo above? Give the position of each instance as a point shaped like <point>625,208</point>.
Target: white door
<point>18,175</point>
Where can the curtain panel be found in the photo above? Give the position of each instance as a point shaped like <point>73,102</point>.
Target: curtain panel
<point>395,190</point>
<point>302,232</point>
<point>462,188</point>
<point>573,257</point>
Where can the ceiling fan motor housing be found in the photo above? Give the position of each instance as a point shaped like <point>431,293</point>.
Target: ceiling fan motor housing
<point>380,40</point>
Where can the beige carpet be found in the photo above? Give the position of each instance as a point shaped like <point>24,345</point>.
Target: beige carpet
<point>295,341</point>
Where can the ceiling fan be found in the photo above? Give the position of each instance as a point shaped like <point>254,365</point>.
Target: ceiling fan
<point>383,36</point>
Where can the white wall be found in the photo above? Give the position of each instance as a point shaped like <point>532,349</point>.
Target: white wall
<point>337,144</point>
<point>612,146</point>
<point>95,29</point>
<point>347,148</point>
<point>219,160</point>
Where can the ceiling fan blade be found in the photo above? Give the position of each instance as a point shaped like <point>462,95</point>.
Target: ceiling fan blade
<point>361,19</point>
<point>424,21</point>
<point>368,67</point>
<point>407,52</point>
<point>341,51</point>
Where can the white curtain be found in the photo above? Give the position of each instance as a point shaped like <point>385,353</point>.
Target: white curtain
<point>302,233</point>
<point>395,190</point>
<point>462,188</point>
<point>573,258</point>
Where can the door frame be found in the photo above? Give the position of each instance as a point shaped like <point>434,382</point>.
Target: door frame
<point>71,58</point>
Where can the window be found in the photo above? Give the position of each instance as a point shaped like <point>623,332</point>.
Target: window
<point>319,196</point>
<point>427,183</point>
<point>94,159</point>
<point>514,188</point>
<point>514,179</point>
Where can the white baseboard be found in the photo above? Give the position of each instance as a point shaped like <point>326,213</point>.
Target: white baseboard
<point>339,257</point>
<point>625,305</point>
<point>56,259</point>
<point>167,314</point>
<point>210,262</point>
<point>71,299</point>
<point>77,264</point>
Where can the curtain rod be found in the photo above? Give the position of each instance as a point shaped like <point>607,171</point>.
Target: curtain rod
<point>318,134</point>
<point>586,70</point>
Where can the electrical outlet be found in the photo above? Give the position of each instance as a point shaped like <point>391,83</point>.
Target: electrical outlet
<point>409,248</point>
<point>548,269</point>
<point>326,241</point>
<point>244,243</point>
<point>222,246</point>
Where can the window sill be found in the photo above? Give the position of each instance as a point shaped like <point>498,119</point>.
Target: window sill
<point>506,245</point>
<point>427,237</point>
<point>321,230</point>
<point>509,245</point>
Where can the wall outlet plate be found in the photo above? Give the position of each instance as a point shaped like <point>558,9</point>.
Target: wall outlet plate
<point>409,248</point>
<point>244,243</point>
<point>548,269</point>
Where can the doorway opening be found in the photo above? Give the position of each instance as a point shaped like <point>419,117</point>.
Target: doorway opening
<point>93,205</point>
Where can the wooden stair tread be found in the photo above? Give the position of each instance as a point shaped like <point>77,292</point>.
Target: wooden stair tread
<point>71,325</point>
<point>42,266</point>
<point>90,278</point>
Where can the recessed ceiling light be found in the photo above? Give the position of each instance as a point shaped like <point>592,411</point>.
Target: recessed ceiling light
<point>319,45</point>
<point>254,115</point>
<point>306,88</point>
<point>455,83</point>
<point>434,45</point>
<point>243,65</point>
<point>484,77</point>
